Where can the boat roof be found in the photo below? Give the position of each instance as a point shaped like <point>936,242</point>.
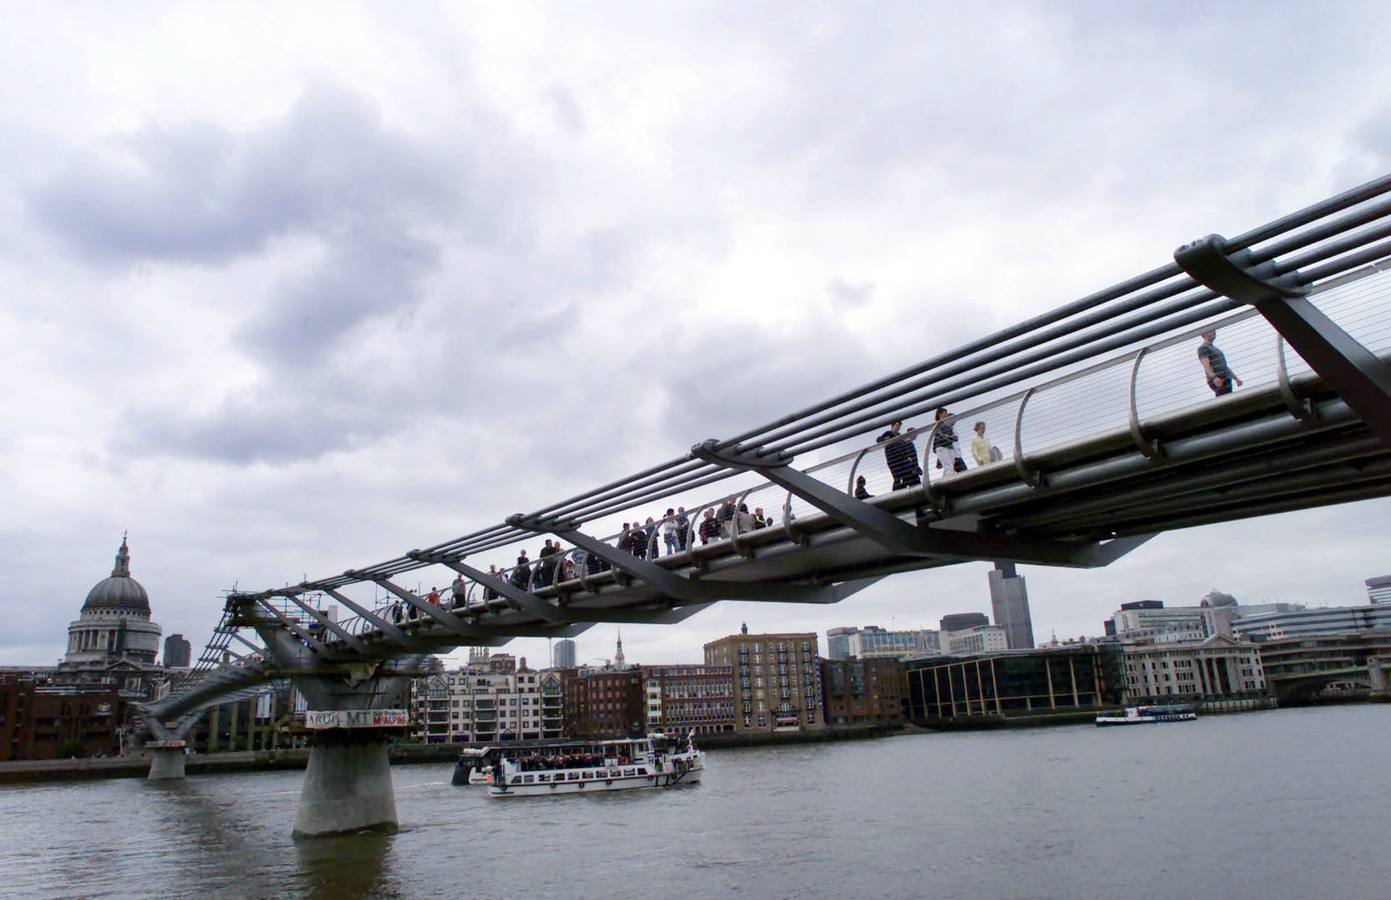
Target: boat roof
<point>546,744</point>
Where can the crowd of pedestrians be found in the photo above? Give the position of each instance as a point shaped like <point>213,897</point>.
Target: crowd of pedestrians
<point>648,539</point>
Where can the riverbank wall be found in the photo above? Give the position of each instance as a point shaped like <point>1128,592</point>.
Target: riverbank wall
<point>138,766</point>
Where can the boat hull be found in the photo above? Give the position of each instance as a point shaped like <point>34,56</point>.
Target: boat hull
<point>1108,721</point>
<point>597,785</point>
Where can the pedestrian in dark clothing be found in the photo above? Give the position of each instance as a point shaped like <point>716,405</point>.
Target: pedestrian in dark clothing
<point>709,527</point>
<point>725,515</point>
<point>683,528</point>
<point>1214,362</point>
<point>901,457</point>
<point>545,568</point>
<point>861,492</point>
<point>521,575</point>
<point>490,592</point>
<point>649,541</point>
<point>593,564</point>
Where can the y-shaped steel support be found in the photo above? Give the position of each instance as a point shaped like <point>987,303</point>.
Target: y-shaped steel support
<point>896,535</point>
<point>691,590</point>
<point>559,615</point>
<point>1360,377</point>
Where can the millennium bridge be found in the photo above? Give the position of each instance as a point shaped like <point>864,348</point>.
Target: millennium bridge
<point>1102,429</point>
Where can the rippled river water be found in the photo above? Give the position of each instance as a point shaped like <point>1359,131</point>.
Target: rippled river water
<point>1291,803</point>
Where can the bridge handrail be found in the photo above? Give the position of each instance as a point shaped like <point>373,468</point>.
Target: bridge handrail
<point>1134,319</point>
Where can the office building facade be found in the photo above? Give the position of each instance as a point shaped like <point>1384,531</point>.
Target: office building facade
<point>1009,602</point>
<point>873,642</point>
<point>1216,668</point>
<point>978,639</point>
<point>177,652</point>
<point>1013,684</point>
<point>564,654</point>
<point>1314,622</point>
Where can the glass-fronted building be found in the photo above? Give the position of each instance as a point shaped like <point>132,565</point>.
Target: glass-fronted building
<point>1013,683</point>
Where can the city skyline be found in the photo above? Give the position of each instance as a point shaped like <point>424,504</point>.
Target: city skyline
<point>285,318</point>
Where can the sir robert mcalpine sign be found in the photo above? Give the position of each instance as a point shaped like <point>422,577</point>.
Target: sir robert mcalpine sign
<point>319,719</point>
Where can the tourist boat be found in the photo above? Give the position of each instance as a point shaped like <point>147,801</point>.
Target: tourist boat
<point>1143,715</point>
<point>655,761</point>
<point>476,764</point>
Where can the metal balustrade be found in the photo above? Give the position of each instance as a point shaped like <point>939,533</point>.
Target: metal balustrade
<point>1095,405</point>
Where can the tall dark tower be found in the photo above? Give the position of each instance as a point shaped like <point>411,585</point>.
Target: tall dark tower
<point>1009,600</point>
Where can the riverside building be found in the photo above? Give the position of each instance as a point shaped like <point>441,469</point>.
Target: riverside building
<point>684,698</point>
<point>1013,684</point>
<point>1314,622</point>
<point>862,693</point>
<point>1215,668</point>
<point>492,698</point>
<point>777,680</point>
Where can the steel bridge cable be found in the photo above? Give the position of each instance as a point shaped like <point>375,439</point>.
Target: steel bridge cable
<point>624,487</point>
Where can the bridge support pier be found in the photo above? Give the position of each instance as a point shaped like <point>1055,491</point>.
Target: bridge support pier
<point>347,786</point>
<point>168,760</point>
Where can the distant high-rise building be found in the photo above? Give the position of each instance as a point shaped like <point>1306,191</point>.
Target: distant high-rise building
<point>838,641</point>
<point>978,639</point>
<point>564,654</point>
<point>1379,589</point>
<point>177,652</point>
<point>1009,600</point>
<point>962,621</point>
<point>873,642</point>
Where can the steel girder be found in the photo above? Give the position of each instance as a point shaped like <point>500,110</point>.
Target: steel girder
<point>1358,375</point>
<point>897,536</point>
<point>694,590</point>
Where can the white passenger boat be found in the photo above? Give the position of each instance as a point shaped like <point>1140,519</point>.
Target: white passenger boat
<point>1144,715</point>
<point>476,764</point>
<point>652,762</point>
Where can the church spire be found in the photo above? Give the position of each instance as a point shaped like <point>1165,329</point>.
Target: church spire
<point>122,569</point>
<point>618,661</point>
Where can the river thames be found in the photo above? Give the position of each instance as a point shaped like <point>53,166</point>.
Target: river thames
<point>1289,803</point>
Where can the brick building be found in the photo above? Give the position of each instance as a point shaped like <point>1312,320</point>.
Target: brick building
<point>680,699</point>
<point>777,680</point>
<point>39,722</point>
<point>603,703</point>
<point>863,692</point>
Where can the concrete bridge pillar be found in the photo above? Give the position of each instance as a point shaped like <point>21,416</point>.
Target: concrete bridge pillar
<point>347,786</point>
<point>168,760</point>
<point>1376,676</point>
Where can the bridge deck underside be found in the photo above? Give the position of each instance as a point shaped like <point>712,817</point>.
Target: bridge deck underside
<point>1242,455</point>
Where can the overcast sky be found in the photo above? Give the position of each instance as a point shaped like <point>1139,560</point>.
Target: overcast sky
<point>292,288</point>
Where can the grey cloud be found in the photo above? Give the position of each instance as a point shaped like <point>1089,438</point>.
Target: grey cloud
<point>198,193</point>
<point>366,273</point>
<point>850,294</point>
